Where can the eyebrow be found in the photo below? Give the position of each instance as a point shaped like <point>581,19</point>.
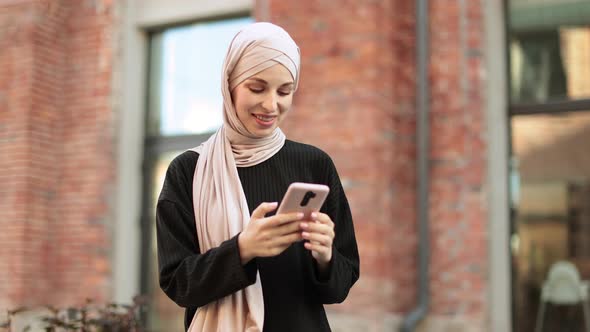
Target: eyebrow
<point>260,80</point>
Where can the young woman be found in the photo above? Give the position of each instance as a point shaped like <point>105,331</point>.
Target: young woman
<point>223,253</point>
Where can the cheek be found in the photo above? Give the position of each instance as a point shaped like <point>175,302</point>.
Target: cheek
<point>241,101</point>
<point>285,104</point>
<point>249,100</point>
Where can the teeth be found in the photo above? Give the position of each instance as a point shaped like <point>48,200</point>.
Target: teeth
<point>263,118</point>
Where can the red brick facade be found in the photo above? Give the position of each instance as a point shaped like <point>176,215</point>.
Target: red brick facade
<point>58,141</point>
<point>358,89</point>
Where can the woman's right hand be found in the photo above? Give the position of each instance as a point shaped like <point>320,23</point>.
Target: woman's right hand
<point>268,236</point>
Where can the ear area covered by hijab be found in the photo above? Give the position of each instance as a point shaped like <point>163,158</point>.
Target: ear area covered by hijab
<point>220,206</point>
<point>258,47</point>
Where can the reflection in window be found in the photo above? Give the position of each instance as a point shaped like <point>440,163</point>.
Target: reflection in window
<point>552,213</point>
<point>549,50</point>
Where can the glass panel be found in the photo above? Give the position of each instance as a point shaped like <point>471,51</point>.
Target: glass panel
<point>164,314</point>
<point>549,50</point>
<point>550,183</point>
<point>185,77</point>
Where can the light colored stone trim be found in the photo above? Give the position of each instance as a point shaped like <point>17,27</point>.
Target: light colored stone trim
<point>457,323</point>
<point>157,12</point>
<point>136,17</point>
<point>130,70</point>
<point>499,294</point>
<point>346,322</point>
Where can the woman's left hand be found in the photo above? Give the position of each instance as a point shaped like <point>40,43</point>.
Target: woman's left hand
<point>319,233</point>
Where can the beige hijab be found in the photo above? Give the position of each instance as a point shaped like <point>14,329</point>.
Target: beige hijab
<point>221,209</point>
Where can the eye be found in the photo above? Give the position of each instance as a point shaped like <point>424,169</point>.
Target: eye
<point>284,92</point>
<point>256,89</point>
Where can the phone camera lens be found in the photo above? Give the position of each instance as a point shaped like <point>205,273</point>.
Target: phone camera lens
<point>307,197</point>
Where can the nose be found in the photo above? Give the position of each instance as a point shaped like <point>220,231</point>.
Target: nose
<point>271,103</point>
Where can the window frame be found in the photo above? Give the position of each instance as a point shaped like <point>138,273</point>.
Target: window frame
<point>549,107</point>
<point>156,145</point>
<point>139,19</point>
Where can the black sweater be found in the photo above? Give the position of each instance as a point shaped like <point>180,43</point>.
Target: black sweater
<point>293,292</point>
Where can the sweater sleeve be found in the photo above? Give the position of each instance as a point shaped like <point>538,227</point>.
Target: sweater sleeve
<point>191,278</point>
<point>344,266</point>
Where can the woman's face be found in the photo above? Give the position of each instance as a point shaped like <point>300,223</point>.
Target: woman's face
<point>263,100</point>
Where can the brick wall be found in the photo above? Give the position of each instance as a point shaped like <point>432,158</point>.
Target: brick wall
<point>16,82</point>
<point>357,102</point>
<point>57,151</point>
<point>343,106</point>
<point>458,203</point>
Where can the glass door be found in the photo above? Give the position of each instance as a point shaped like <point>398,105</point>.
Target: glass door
<point>549,60</point>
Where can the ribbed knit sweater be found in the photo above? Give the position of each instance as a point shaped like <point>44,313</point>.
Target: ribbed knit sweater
<point>293,291</point>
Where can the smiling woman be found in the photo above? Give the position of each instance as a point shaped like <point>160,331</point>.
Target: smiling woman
<point>248,268</point>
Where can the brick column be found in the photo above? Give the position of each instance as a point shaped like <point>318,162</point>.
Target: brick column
<point>31,68</point>
<point>347,106</point>
<point>459,262</point>
<point>56,142</point>
<point>357,102</point>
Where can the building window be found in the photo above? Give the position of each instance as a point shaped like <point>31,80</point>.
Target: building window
<point>549,55</point>
<point>184,109</point>
<point>549,50</point>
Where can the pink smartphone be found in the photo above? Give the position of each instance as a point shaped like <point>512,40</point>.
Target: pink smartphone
<point>304,197</point>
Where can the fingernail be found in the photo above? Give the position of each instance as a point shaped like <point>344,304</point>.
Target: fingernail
<point>314,215</point>
<point>305,234</point>
<point>273,203</point>
<point>304,225</point>
<point>300,215</point>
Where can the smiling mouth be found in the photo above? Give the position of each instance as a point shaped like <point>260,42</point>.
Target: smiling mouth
<point>264,118</point>
<point>264,121</point>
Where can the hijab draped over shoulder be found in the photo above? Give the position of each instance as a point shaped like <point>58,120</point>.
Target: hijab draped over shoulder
<point>221,209</point>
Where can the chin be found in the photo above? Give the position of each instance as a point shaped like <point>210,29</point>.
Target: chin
<point>262,132</point>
